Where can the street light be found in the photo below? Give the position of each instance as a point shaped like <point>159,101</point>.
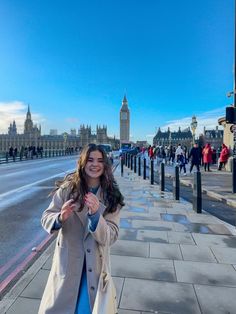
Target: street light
<point>65,139</point>
<point>193,127</point>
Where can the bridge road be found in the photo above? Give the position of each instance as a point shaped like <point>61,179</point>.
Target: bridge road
<point>24,189</point>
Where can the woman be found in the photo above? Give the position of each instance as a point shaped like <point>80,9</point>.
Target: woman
<point>207,156</point>
<point>224,155</point>
<point>85,209</point>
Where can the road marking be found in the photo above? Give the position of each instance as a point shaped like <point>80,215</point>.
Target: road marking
<point>34,183</point>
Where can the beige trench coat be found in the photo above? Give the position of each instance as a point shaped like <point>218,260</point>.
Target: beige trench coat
<point>74,243</point>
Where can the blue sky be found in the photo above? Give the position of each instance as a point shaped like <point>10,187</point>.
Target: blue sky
<point>73,60</point>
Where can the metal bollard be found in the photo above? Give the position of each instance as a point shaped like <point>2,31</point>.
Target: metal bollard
<point>128,160</point>
<point>152,172</point>
<point>197,192</point>
<point>122,165</point>
<point>135,164</point>
<point>139,166</point>
<point>176,184</point>
<point>144,168</point>
<point>162,177</point>
<point>131,162</point>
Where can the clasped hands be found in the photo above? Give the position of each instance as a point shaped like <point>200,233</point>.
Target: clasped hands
<point>68,207</point>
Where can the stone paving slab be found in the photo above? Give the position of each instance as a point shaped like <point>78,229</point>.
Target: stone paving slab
<point>205,273</point>
<point>210,240</point>
<point>224,255</point>
<point>143,268</point>
<point>24,305</point>
<point>216,300</point>
<point>166,251</point>
<point>180,237</point>
<point>197,253</point>
<point>130,248</point>
<point>148,295</point>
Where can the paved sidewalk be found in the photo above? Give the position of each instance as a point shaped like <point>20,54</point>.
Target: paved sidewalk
<point>168,259</point>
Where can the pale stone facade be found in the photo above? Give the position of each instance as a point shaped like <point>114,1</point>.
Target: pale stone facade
<point>31,137</point>
<point>124,122</point>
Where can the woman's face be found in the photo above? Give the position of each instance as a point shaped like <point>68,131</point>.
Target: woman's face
<point>95,165</point>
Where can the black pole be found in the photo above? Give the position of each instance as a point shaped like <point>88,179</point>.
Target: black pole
<point>128,160</point>
<point>152,172</point>
<point>131,162</point>
<point>139,166</point>
<point>144,168</point>
<point>135,164</point>
<point>162,177</point>
<point>197,192</point>
<point>176,183</point>
<point>122,165</point>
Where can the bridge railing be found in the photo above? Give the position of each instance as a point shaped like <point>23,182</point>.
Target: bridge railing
<point>29,155</point>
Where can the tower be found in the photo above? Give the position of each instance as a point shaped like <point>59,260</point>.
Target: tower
<point>28,122</point>
<point>124,121</point>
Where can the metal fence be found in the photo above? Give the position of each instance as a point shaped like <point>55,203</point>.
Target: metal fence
<point>6,158</point>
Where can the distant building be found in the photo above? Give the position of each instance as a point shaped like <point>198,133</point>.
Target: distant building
<point>53,132</point>
<point>168,138</point>
<point>214,137</point>
<point>73,132</point>
<point>124,122</point>
<point>32,137</point>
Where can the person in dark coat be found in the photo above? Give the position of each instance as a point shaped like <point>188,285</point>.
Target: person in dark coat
<point>195,157</point>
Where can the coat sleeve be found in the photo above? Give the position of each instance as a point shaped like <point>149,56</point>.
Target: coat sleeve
<point>52,212</point>
<point>107,230</point>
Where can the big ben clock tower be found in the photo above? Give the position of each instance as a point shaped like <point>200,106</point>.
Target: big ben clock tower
<point>124,121</point>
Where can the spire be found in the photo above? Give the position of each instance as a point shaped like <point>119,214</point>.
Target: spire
<point>124,99</point>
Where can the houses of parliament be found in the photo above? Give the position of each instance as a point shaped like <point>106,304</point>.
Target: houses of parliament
<point>31,136</point>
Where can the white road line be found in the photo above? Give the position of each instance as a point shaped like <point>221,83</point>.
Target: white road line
<point>23,188</point>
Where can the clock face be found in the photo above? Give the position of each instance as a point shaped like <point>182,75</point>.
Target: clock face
<point>123,115</point>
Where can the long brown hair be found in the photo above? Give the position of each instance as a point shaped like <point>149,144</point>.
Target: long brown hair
<point>77,184</point>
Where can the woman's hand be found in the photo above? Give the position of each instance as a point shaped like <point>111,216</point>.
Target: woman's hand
<point>66,210</point>
<point>92,202</point>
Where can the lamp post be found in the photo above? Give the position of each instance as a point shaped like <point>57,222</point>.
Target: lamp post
<point>193,127</point>
<point>65,139</point>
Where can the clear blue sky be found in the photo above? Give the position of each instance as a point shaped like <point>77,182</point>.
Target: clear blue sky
<point>73,60</point>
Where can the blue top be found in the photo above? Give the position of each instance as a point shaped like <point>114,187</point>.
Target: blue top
<point>83,306</point>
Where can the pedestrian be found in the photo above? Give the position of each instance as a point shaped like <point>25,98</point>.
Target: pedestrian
<point>85,213</point>
<point>224,155</point>
<point>178,152</point>
<point>195,157</point>
<point>182,162</point>
<point>207,156</point>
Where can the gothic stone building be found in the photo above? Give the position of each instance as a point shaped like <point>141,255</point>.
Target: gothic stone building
<point>32,137</point>
<point>168,138</point>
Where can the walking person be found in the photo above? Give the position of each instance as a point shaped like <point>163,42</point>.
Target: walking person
<point>182,162</point>
<point>195,157</point>
<point>207,156</point>
<point>224,155</point>
<point>85,213</point>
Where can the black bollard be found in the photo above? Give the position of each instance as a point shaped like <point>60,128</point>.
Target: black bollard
<point>135,164</point>
<point>162,177</point>
<point>122,165</point>
<point>144,168</point>
<point>176,183</point>
<point>128,160</point>
<point>197,192</point>
<point>131,162</point>
<point>152,172</point>
<point>139,166</point>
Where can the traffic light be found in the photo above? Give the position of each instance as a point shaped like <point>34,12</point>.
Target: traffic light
<point>230,115</point>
